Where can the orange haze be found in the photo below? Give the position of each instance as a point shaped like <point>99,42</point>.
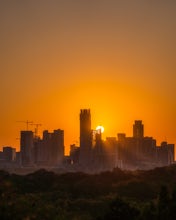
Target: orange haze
<point>115,57</point>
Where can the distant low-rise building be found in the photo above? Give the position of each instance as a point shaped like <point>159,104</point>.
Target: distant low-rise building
<point>165,153</point>
<point>74,154</point>
<point>1,155</point>
<point>9,154</point>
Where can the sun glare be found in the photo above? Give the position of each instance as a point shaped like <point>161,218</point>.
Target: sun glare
<point>99,127</point>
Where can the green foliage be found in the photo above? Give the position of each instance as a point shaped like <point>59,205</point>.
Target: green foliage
<point>138,190</point>
<point>120,210</point>
<point>173,204</point>
<point>163,203</point>
<point>108,195</point>
<point>149,212</point>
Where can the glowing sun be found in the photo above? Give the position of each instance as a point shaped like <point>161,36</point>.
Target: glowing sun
<point>101,128</point>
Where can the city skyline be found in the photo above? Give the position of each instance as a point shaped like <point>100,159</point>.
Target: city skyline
<point>32,127</point>
<point>85,128</point>
<point>115,57</point>
<point>92,154</point>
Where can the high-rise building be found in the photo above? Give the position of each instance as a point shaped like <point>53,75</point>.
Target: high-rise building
<point>98,150</point>
<point>111,151</point>
<point>138,129</point>
<point>57,146</point>
<point>26,147</point>
<point>49,151</point>
<point>85,137</point>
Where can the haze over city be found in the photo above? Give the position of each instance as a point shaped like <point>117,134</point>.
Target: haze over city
<point>115,57</point>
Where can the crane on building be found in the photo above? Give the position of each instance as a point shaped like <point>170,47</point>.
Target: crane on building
<point>36,128</point>
<point>27,123</point>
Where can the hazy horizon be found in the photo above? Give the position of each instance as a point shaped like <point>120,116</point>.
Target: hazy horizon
<point>115,57</point>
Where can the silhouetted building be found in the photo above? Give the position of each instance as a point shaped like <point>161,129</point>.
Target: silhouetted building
<point>135,151</point>
<point>18,157</point>
<point>74,154</point>
<point>50,150</point>
<point>99,154</point>
<point>138,129</point>
<point>38,151</point>
<point>9,154</point>
<point>26,148</point>
<point>85,138</point>
<point>1,155</point>
<point>171,153</point>
<point>141,152</point>
<point>42,150</point>
<point>57,146</point>
<point>111,152</point>
<point>46,147</point>
<point>165,153</point>
<point>94,154</point>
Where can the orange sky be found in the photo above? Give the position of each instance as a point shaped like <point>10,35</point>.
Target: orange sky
<point>115,57</point>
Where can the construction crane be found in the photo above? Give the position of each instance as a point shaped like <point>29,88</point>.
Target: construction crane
<point>36,128</point>
<point>27,123</point>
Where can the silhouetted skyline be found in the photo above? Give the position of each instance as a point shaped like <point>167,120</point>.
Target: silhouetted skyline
<point>116,57</point>
<point>93,154</point>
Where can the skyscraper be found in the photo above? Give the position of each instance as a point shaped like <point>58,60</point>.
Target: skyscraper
<point>57,147</point>
<point>26,147</point>
<point>138,129</point>
<point>85,137</point>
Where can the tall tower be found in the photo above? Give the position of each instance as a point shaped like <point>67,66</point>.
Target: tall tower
<point>85,137</point>
<point>26,147</point>
<point>138,129</point>
<point>57,147</point>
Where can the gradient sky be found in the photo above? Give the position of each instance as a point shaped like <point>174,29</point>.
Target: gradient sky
<point>116,57</point>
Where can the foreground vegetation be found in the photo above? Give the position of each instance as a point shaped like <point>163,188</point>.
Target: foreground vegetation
<point>112,195</point>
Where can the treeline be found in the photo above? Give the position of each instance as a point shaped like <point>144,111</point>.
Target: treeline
<point>109,195</point>
<point>163,208</point>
